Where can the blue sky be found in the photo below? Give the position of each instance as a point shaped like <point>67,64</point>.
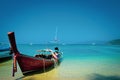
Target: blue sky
<point>77,20</point>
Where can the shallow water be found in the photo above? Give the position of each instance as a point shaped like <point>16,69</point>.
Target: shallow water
<point>80,62</point>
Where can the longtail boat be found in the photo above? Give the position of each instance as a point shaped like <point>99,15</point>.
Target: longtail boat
<point>30,64</point>
<point>4,49</point>
<point>5,54</point>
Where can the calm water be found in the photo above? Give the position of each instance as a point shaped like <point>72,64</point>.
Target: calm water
<point>80,62</point>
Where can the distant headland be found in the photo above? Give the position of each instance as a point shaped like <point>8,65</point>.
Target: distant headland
<point>114,42</point>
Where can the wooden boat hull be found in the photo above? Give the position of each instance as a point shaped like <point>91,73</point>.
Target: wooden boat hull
<point>30,64</point>
<point>5,54</point>
<point>4,59</point>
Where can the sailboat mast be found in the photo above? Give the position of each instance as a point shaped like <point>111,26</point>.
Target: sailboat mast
<point>56,39</point>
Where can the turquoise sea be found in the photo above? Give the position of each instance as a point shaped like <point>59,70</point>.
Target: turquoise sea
<point>80,62</point>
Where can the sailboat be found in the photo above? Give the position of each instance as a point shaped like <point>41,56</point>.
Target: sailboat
<point>55,41</point>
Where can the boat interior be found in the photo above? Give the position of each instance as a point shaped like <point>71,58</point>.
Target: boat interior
<point>46,56</point>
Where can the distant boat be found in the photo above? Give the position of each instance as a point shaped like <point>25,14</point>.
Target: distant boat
<point>55,41</point>
<point>93,43</point>
<point>30,64</point>
<point>31,44</point>
<point>5,54</point>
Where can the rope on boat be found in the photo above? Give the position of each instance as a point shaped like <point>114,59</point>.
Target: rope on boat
<point>44,65</point>
<point>55,63</point>
<point>14,65</point>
